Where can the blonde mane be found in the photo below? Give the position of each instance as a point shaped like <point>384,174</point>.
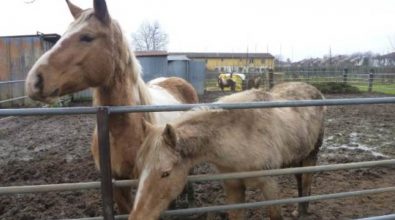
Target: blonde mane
<point>129,64</point>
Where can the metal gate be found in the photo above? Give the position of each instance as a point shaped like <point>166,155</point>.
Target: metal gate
<point>107,182</point>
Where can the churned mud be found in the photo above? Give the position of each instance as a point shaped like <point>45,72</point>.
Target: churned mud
<point>56,149</point>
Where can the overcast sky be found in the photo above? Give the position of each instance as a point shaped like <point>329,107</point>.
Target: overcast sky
<point>296,29</point>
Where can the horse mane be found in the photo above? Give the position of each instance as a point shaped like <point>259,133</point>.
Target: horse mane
<point>131,66</point>
<point>153,150</point>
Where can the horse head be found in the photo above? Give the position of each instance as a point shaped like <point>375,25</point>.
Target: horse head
<point>162,173</point>
<point>82,58</point>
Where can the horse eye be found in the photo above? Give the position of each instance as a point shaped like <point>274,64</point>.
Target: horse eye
<point>165,174</point>
<point>86,38</point>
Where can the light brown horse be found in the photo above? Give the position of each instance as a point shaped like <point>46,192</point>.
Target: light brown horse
<point>233,140</point>
<point>94,53</point>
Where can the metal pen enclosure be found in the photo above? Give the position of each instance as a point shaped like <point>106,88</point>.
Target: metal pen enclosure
<point>107,184</point>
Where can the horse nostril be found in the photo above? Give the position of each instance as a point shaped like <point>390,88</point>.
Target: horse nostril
<point>40,82</point>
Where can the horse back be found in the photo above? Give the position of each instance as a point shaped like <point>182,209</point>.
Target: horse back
<point>284,136</point>
<point>182,90</point>
<point>295,91</point>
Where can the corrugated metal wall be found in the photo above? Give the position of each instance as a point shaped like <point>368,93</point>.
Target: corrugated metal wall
<point>197,75</point>
<point>179,68</point>
<point>191,70</point>
<point>17,56</point>
<point>153,67</point>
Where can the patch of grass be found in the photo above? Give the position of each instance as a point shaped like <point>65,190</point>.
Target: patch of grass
<point>379,88</point>
<point>335,87</point>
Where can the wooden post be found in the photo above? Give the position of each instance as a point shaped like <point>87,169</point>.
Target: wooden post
<point>370,81</point>
<point>345,72</point>
<point>271,78</point>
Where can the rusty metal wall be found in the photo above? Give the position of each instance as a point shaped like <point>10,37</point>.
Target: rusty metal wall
<point>17,56</point>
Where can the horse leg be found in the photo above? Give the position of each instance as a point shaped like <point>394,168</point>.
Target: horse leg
<point>235,193</point>
<point>233,87</point>
<point>122,197</point>
<point>270,191</point>
<point>305,180</point>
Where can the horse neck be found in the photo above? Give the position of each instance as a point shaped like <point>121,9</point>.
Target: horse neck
<point>194,137</point>
<point>125,86</point>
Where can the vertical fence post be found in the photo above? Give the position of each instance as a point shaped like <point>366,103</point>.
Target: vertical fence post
<point>370,81</point>
<point>271,78</point>
<point>105,163</point>
<point>345,72</point>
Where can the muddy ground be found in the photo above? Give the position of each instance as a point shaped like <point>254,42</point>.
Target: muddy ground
<point>55,149</point>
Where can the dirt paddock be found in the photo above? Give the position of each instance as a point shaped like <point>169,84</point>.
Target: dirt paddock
<point>55,149</point>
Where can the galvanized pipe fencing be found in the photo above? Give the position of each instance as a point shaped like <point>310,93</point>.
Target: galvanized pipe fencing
<point>13,99</point>
<point>186,107</point>
<point>107,183</point>
<point>199,178</point>
<point>11,82</point>
<point>217,208</point>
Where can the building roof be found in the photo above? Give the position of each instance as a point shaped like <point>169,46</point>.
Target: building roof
<point>177,57</point>
<point>225,55</point>
<point>203,55</point>
<point>151,53</point>
<point>53,38</point>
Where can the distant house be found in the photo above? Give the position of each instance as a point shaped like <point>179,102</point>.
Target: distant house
<point>233,62</point>
<point>17,56</point>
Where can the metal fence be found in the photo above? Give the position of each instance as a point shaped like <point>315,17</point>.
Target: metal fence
<point>107,182</point>
<point>9,96</point>
<point>369,82</point>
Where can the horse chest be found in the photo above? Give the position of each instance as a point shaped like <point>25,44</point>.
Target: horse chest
<point>123,154</point>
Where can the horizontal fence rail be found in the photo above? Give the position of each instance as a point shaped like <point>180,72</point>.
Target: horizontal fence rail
<point>218,208</point>
<point>11,82</point>
<point>13,99</point>
<point>185,107</point>
<point>198,178</point>
<point>384,217</point>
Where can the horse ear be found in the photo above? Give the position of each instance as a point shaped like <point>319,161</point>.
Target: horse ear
<point>169,135</point>
<point>101,11</point>
<point>75,10</point>
<point>146,126</point>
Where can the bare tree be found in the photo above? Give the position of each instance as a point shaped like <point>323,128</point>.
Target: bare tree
<point>150,36</point>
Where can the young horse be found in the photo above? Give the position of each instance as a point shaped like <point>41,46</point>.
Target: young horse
<point>94,53</point>
<point>233,140</point>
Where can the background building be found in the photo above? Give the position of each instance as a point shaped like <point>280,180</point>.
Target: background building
<point>234,62</point>
<point>17,56</point>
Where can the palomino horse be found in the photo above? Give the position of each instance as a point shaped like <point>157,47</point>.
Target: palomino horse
<point>233,140</point>
<point>94,53</point>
